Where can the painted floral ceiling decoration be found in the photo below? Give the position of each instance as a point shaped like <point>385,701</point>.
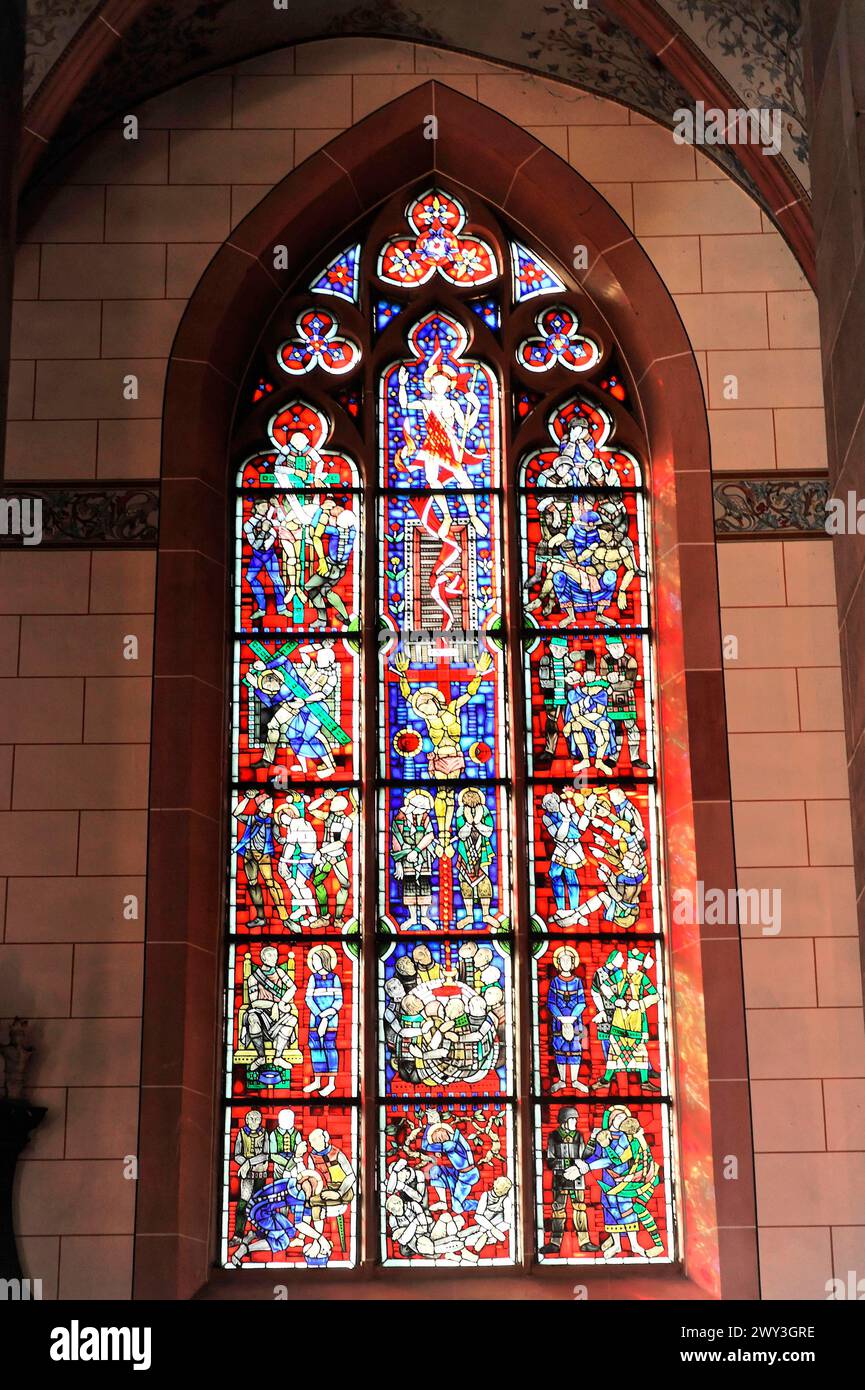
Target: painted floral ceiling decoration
<point>51,24</point>
<point>757,48</point>
<point>752,46</point>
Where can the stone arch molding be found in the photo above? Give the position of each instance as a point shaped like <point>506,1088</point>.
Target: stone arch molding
<point>479,151</point>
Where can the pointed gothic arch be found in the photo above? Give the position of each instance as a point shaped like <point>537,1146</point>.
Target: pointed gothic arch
<point>481,152</point>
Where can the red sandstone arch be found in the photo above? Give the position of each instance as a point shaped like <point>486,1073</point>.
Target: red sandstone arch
<point>482,152</point>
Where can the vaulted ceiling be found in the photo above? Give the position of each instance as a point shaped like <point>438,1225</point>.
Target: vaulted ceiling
<point>87,61</point>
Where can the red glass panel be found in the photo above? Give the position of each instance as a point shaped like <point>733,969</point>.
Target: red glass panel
<point>436,244</point>
<point>448,1190</point>
<point>590,862</point>
<point>300,563</point>
<point>586,706</point>
<point>299,456</point>
<point>583,454</point>
<point>294,860</point>
<point>598,1008</point>
<point>293,1019</point>
<point>296,710</point>
<point>583,560</point>
<point>291,1191</point>
<point>604,1181</point>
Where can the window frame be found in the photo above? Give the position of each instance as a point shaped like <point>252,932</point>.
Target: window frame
<point>479,151</point>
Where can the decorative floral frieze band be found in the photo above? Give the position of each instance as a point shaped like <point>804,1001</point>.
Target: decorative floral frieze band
<point>767,505</point>
<point>60,514</point>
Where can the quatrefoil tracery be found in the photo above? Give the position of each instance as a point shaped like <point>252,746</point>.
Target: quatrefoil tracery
<point>439,246</point>
<point>318,344</point>
<point>560,343</point>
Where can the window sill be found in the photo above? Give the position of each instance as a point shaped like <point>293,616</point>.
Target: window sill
<point>325,1286</point>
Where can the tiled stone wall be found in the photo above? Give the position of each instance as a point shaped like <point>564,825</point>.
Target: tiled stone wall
<point>110,255</point>
<point>802,985</point>
<point>76,721</point>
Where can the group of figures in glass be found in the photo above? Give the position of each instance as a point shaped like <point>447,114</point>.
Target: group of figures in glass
<point>295,859</point>
<point>446,1017</point>
<point>440,799</point>
<point>294,1189</point>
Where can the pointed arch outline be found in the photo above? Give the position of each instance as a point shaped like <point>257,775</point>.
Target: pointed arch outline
<point>557,211</point>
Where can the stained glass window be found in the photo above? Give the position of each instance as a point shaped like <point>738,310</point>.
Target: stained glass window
<point>558,342</point>
<point>318,343</point>
<point>443,790</point>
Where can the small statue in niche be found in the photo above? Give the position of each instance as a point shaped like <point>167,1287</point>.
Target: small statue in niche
<point>16,1058</point>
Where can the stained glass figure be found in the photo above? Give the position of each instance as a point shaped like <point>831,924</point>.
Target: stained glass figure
<point>446,1018</point>
<point>290,1185</point>
<point>340,276</point>
<point>444,854</point>
<point>586,705</point>
<point>531,275</point>
<point>318,344</point>
<point>295,855</point>
<point>591,858</point>
<point>296,709</point>
<point>437,245</point>
<point>449,1192</point>
<point>602,1181</point>
<point>439,415</point>
<point>584,455</point>
<point>442,706</point>
<point>301,571</point>
<point>583,557</point>
<point>598,1016</point>
<point>583,560</point>
<point>559,343</point>
<point>294,1012</point>
<point>297,455</point>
